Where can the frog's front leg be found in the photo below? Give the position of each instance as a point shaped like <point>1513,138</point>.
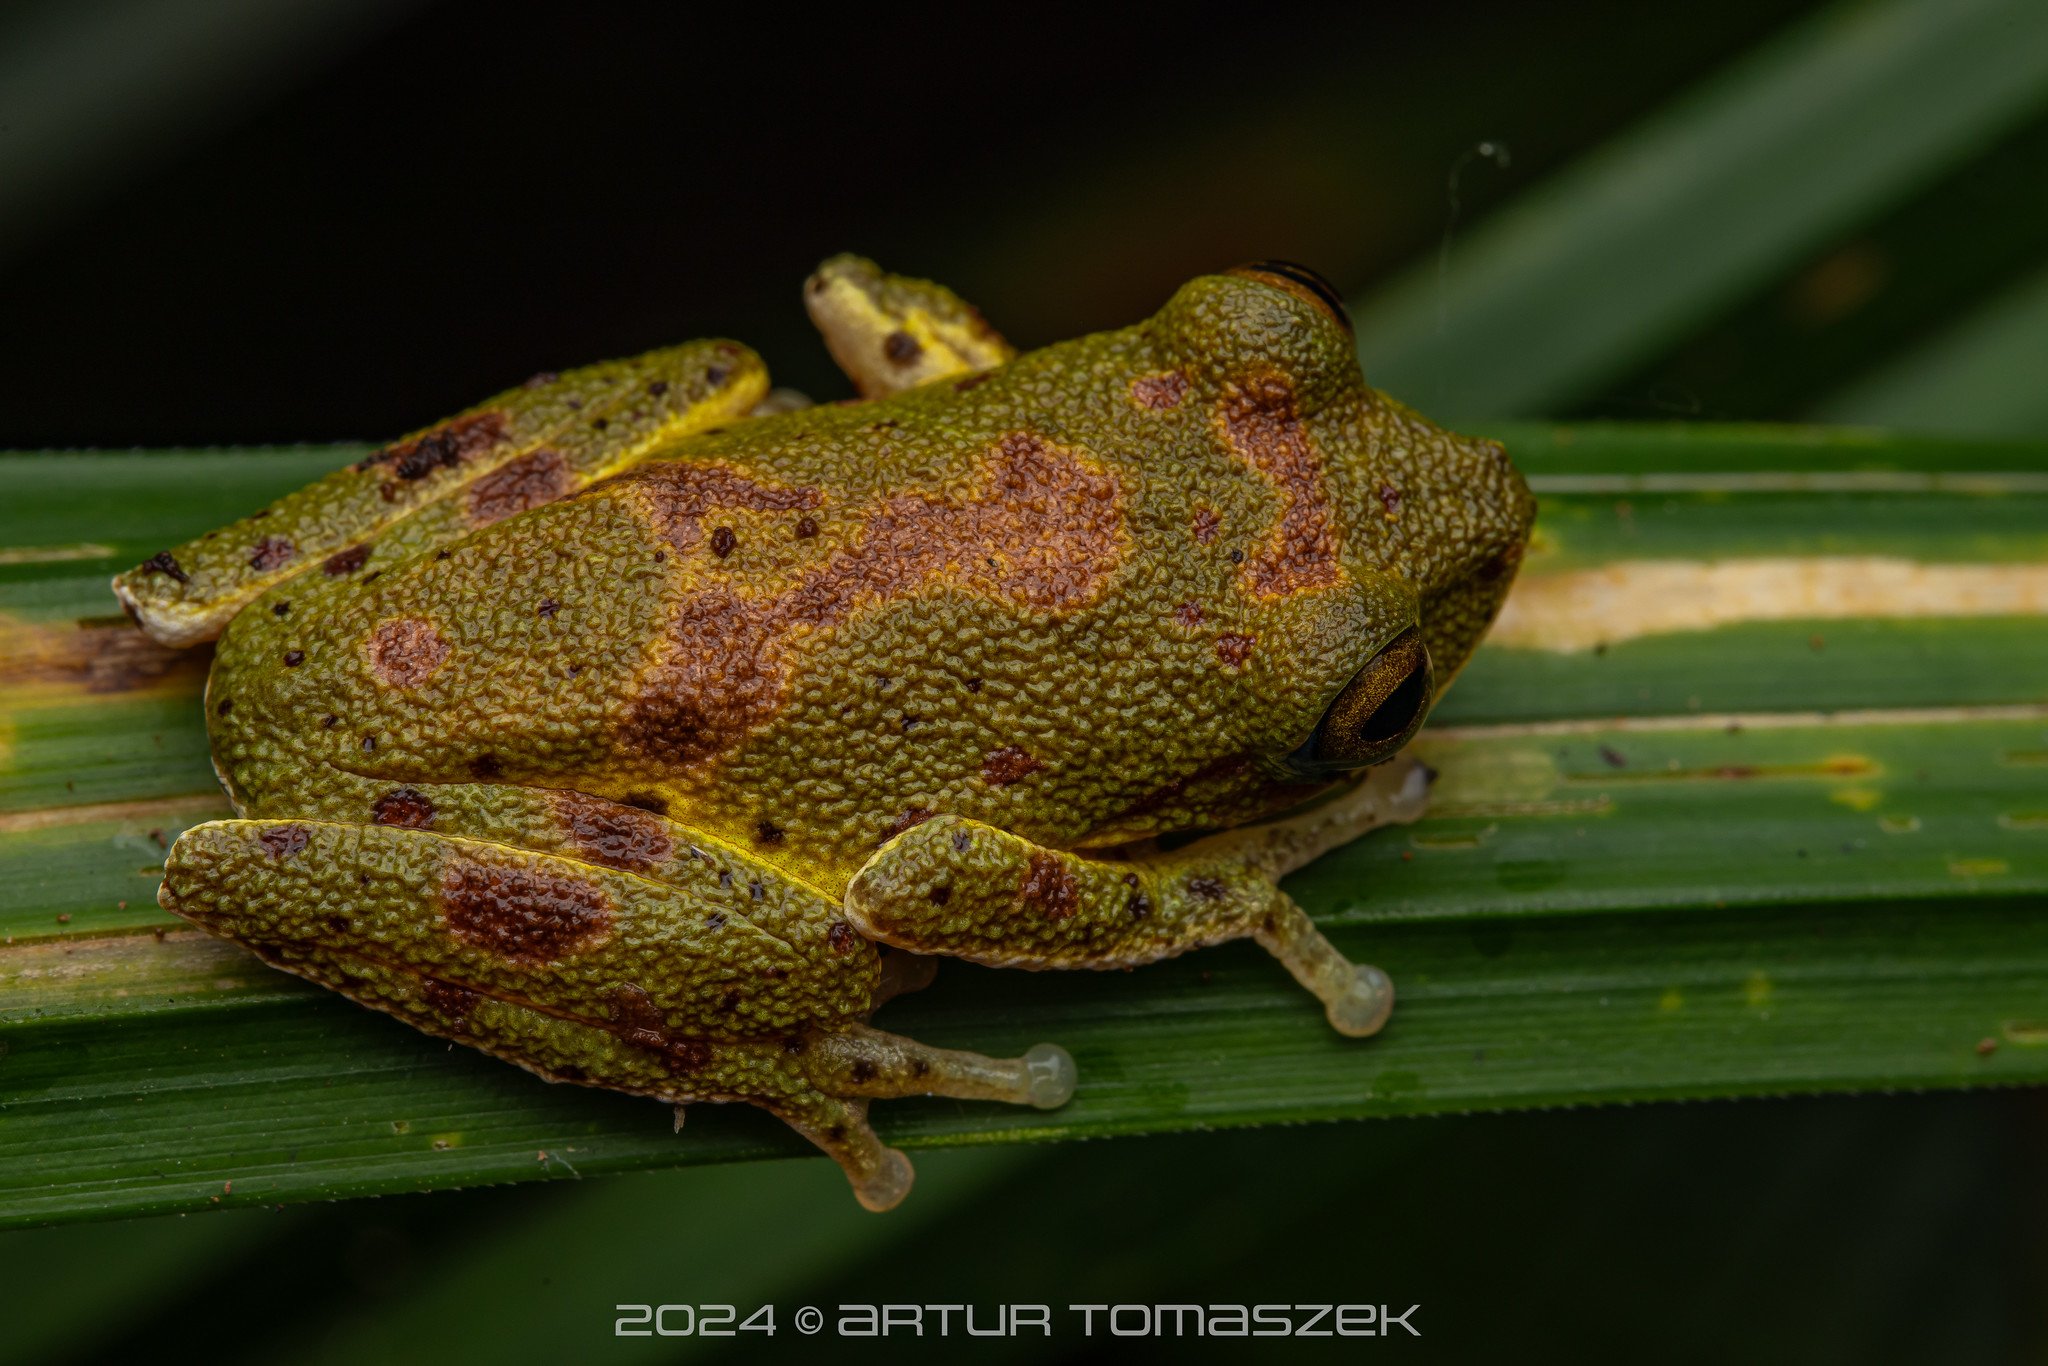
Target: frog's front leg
<point>531,445</point>
<point>707,978</point>
<point>958,887</point>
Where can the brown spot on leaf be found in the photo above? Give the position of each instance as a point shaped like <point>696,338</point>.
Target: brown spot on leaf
<point>406,651</point>
<point>272,552</point>
<point>534,479</point>
<point>283,841</point>
<point>406,807</point>
<point>521,914</point>
<point>345,561</point>
<point>1044,532</point>
<point>1159,392</point>
<point>1000,768</point>
<point>1049,888</point>
<point>615,835</point>
<point>1261,423</point>
<point>1234,649</point>
<point>442,447</point>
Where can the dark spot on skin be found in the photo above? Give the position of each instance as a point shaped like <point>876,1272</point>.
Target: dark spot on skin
<point>1190,614</point>
<point>283,841</point>
<point>901,348</point>
<point>1206,524</point>
<point>1008,765</point>
<point>647,801</point>
<point>406,807</point>
<point>972,381</point>
<point>1159,392</point>
<point>1237,557</point>
<point>520,914</point>
<point>1390,499</point>
<point>224,706</point>
<point>863,1069</point>
<point>767,832</point>
<point>756,890</point>
<point>723,541</point>
<point>795,1043</point>
<point>837,1133</point>
<point>548,607</point>
<point>1264,427</point>
<point>715,921</point>
<point>449,1001</point>
<point>1206,888</point>
<point>1234,649</point>
<point>294,658</point>
<point>730,1002</point>
<point>806,527</point>
<point>614,835</point>
<point>598,424</point>
<point>912,816</point>
<point>714,375</point>
<point>162,563</point>
<point>725,878</point>
<point>280,609</point>
<point>1049,888</point>
<point>841,937</point>
<point>443,554</point>
<point>345,561</point>
<point>940,895</point>
<point>443,447</point>
<point>406,651</point>
<point>369,744</point>
<point>961,839</point>
<point>329,721</point>
<point>656,388</point>
<point>1613,757</point>
<point>533,480</point>
<point>1136,904</point>
<point>485,768</point>
<point>973,685</point>
<point>272,552</point>
<point>1501,564</point>
<point>919,1067</point>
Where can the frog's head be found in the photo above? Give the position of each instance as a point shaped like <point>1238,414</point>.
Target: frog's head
<point>1370,548</point>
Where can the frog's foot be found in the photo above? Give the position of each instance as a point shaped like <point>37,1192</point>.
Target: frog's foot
<point>958,887</point>
<point>528,446</point>
<point>890,333</point>
<point>703,975</point>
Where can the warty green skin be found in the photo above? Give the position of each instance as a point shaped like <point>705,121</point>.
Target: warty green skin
<point>587,787</point>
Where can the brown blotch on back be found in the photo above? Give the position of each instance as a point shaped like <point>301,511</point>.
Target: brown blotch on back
<point>520,914</point>
<point>405,807</point>
<point>272,552</point>
<point>406,651</point>
<point>1045,532</point>
<point>609,833</point>
<point>452,1003</point>
<point>345,561</point>
<point>1234,649</point>
<point>680,495</point>
<point>1000,768</point>
<point>1159,392</point>
<point>534,479</point>
<point>1263,426</point>
<point>1049,888</point>
<point>1190,614</point>
<point>442,447</point>
<point>283,841</point>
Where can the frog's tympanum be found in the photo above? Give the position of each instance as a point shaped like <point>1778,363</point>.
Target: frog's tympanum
<point>648,729</point>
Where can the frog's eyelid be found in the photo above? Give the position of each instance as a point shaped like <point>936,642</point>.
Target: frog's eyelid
<point>1293,273</point>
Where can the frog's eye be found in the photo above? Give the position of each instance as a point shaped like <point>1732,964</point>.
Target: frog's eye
<point>1380,708</point>
<point>1299,280</point>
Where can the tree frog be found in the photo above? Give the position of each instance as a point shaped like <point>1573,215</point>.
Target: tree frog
<point>649,729</point>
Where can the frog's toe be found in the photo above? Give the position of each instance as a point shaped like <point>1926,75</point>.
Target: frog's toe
<point>886,1186</point>
<point>1052,1073</point>
<point>870,1063</point>
<point>1362,1008</point>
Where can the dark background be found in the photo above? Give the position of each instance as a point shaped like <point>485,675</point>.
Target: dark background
<point>246,223</point>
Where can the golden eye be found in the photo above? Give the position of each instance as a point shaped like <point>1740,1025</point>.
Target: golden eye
<point>1379,710</point>
<point>1300,280</point>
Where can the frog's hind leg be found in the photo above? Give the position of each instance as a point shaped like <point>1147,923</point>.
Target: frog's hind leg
<point>527,446</point>
<point>890,333</point>
<point>660,962</point>
<point>958,887</point>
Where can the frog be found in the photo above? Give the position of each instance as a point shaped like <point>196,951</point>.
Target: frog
<point>651,728</point>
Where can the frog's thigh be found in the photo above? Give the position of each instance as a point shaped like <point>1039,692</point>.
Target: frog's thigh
<point>958,887</point>
<point>525,447</point>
